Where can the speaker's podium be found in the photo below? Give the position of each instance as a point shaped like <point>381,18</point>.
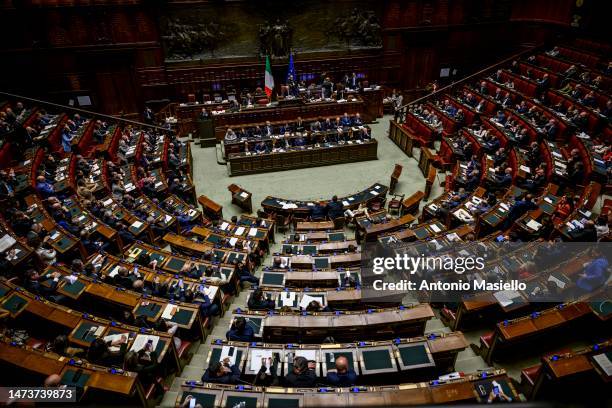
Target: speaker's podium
<point>205,132</point>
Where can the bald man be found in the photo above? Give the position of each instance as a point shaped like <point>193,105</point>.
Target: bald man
<point>343,375</point>
<point>54,380</point>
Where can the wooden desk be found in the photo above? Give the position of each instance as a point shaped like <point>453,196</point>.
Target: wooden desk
<point>372,231</point>
<point>301,208</point>
<point>314,226</point>
<point>210,208</point>
<point>240,164</point>
<point>345,327</point>
<point>241,197</point>
<point>306,110</point>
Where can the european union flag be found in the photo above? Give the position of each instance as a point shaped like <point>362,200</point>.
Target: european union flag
<point>291,70</point>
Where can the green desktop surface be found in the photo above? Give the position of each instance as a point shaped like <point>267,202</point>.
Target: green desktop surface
<point>321,263</point>
<point>175,264</point>
<point>14,303</point>
<point>309,249</point>
<point>414,354</point>
<point>215,239</point>
<point>330,357</point>
<point>287,248</point>
<point>338,236</point>
<point>150,310</point>
<point>491,219</point>
<point>215,355</point>
<point>83,332</point>
<point>69,378</point>
<point>283,402</point>
<point>63,243</point>
<point>183,316</point>
<point>237,400</point>
<point>157,257</point>
<point>484,387</point>
<point>206,400</point>
<point>75,288</point>
<point>272,278</point>
<point>421,233</point>
<point>602,308</point>
<point>376,359</point>
<point>255,323</point>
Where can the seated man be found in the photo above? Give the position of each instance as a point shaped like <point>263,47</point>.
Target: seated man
<point>240,331</point>
<point>318,212</point>
<point>342,375</point>
<point>261,147</point>
<point>221,373</point>
<point>258,302</point>
<point>302,375</point>
<point>334,208</point>
<point>346,120</point>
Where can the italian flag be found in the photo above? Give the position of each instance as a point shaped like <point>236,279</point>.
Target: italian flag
<point>269,78</point>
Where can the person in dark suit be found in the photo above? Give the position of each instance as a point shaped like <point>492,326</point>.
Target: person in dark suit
<point>327,87</point>
<point>268,129</point>
<point>240,331</point>
<point>334,208</point>
<point>586,234</point>
<point>318,211</point>
<point>501,181</point>
<point>149,116</point>
<point>258,302</point>
<point>342,375</point>
<point>221,373</point>
<point>302,375</point>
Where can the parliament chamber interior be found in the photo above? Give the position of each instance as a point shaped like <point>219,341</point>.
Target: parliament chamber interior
<point>200,201</point>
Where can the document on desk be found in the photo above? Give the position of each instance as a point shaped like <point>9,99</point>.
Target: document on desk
<point>288,298</point>
<point>224,226</point>
<point>253,232</point>
<point>560,284</point>
<point>306,299</point>
<point>137,224</point>
<point>230,353</point>
<point>114,271</point>
<point>113,337</point>
<point>239,231</point>
<point>244,195</point>
<point>233,241</point>
<point>534,225</point>
<point>604,363</point>
<point>256,356</point>
<point>435,228</point>
<point>141,340</point>
<point>169,312</point>
<point>6,242</point>
<point>505,297</point>
<point>346,203</point>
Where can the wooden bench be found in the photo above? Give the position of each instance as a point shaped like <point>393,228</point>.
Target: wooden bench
<point>210,208</point>
<point>411,204</point>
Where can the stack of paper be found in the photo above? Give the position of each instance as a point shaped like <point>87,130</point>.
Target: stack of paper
<point>169,311</point>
